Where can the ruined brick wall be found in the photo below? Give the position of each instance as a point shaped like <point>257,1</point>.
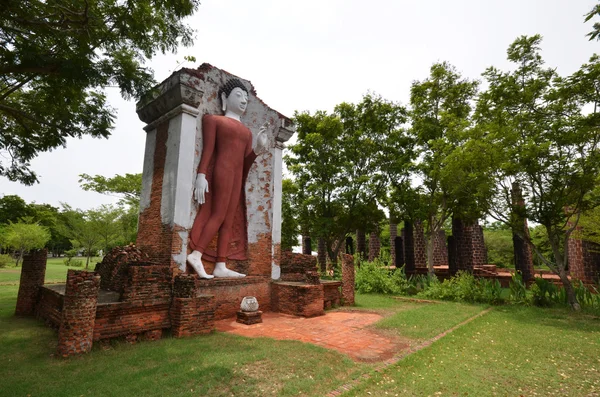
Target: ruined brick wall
<point>33,271</point>
<point>584,260</point>
<point>420,246</point>
<point>114,268</point>
<point>79,313</point>
<point>191,314</point>
<point>331,294</point>
<point>409,247</point>
<point>295,266</point>
<point>298,299</point>
<point>374,245</point>
<point>440,250</point>
<point>479,248</point>
<point>49,308</point>
<point>148,283</point>
<point>130,318</point>
<point>393,235</point>
<point>348,278</point>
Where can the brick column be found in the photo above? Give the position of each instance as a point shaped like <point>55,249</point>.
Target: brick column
<point>440,250</point>
<point>522,251</point>
<point>191,313</point>
<point>348,279</point>
<point>399,247</point>
<point>33,271</point>
<point>469,245</point>
<point>452,255</point>
<point>409,247</point>
<point>79,313</point>
<point>306,245</point>
<point>393,235</point>
<point>361,243</point>
<point>374,245</point>
<point>322,254</point>
<point>420,246</point>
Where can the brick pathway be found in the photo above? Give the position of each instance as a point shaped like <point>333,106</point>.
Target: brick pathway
<point>344,331</point>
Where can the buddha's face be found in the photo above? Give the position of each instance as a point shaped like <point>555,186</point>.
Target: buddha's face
<point>237,101</point>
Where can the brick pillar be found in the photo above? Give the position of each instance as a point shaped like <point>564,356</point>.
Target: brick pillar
<point>591,262</point>
<point>440,250</point>
<point>361,243</point>
<point>33,271</point>
<point>398,245</point>
<point>79,313</point>
<point>322,254</point>
<point>575,258</point>
<point>452,255</point>
<point>479,248</point>
<point>409,247</point>
<point>469,244</point>
<point>306,245</point>
<point>522,251</point>
<point>420,246</point>
<point>191,313</point>
<point>393,235</point>
<point>374,245</point>
<point>349,245</point>
<point>348,279</point>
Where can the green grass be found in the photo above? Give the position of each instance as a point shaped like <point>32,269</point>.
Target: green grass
<point>509,351</point>
<point>56,271</point>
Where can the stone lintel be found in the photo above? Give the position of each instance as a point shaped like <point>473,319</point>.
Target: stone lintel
<point>179,89</point>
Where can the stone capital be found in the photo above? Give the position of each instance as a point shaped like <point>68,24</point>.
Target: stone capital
<point>181,88</point>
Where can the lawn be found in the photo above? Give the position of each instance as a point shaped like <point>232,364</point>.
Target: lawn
<point>508,351</point>
<point>56,271</point>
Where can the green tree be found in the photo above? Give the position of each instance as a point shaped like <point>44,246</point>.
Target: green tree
<point>546,143</point>
<point>12,208</point>
<point>128,187</point>
<point>24,237</point>
<point>48,216</point>
<point>84,228</point>
<point>595,33</point>
<point>57,56</point>
<point>440,115</point>
<point>339,162</point>
<point>290,227</point>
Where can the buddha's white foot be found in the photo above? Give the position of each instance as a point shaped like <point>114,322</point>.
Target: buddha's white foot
<point>195,261</point>
<point>222,271</point>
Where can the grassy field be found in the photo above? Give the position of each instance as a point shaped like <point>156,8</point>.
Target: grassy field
<point>508,351</point>
<point>56,271</point>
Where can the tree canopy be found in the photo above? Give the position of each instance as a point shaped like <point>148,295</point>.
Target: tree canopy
<point>56,57</point>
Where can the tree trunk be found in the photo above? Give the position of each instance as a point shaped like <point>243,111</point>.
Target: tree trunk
<point>87,262</point>
<point>571,298</point>
<point>19,258</point>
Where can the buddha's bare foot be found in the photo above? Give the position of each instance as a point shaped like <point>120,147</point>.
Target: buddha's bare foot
<point>194,259</point>
<point>222,271</point>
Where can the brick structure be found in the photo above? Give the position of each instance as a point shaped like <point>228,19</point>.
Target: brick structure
<point>393,235</point>
<point>399,247</point>
<point>331,293</point>
<point>306,245</point>
<point>361,243</point>
<point>295,266</point>
<point>249,318</point>
<point>440,250</point>
<point>347,280</point>
<point>322,255</point>
<point>452,256</point>
<point>584,260</point>
<point>113,270</point>
<point>374,245</point>
<point>420,246</point>
<point>191,313</point>
<point>173,113</point>
<point>297,299</point>
<point>409,247</point>
<point>78,313</point>
<point>522,251</point>
<point>33,271</point>
<point>469,246</point>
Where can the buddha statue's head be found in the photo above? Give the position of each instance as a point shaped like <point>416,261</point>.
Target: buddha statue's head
<point>234,97</point>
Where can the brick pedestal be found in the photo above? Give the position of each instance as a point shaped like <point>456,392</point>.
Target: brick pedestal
<point>249,318</point>
<point>76,330</point>
<point>295,266</point>
<point>33,272</point>
<point>348,280</point>
<point>297,299</point>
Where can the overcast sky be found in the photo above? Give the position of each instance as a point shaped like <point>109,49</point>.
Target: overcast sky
<point>314,54</point>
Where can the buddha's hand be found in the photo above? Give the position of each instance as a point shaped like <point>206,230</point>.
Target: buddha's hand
<point>200,188</point>
<point>262,140</point>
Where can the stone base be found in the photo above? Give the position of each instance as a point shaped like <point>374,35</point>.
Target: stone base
<point>249,318</point>
<point>297,299</point>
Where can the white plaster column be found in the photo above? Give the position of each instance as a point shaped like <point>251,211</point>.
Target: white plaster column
<point>277,194</point>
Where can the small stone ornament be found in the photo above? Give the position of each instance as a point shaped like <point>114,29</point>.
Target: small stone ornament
<point>249,304</point>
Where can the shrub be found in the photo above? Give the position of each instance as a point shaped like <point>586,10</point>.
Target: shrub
<point>464,287</point>
<point>375,277</point>
<point>544,292</point>
<point>518,289</point>
<point>73,262</point>
<point>5,260</point>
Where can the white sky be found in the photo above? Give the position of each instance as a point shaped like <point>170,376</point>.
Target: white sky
<point>314,54</point>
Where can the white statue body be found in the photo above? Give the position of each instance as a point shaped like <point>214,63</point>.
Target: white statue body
<point>234,106</point>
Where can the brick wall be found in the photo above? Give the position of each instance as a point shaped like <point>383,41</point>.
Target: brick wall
<point>374,245</point>
<point>193,316</point>
<point>130,318</point>
<point>440,250</point>
<point>420,246</point>
<point>348,280</point>
<point>76,330</point>
<point>297,299</point>
<point>113,269</point>
<point>331,294</point>
<point>295,266</point>
<point>584,260</point>
<point>148,283</point>
<point>49,308</point>
<point>33,271</point>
